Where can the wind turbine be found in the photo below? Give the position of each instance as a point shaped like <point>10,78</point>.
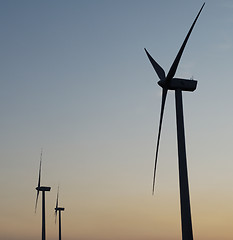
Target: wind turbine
<point>42,189</point>
<point>178,84</point>
<point>58,209</point>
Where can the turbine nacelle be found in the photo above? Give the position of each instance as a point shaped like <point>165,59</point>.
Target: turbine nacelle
<point>179,83</point>
<point>43,188</point>
<point>59,209</point>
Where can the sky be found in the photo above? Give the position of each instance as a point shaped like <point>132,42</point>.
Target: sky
<point>75,81</point>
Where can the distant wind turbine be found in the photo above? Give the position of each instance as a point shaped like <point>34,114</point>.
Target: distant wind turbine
<point>178,84</point>
<point>42,189</point>
<point>58,209</point>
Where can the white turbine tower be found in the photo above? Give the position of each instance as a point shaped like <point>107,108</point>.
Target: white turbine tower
<point>178,85</point>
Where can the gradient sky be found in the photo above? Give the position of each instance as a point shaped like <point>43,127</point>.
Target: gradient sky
<point>76,82</point>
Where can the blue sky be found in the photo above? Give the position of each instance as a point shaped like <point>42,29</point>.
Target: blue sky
<point>75,80</point>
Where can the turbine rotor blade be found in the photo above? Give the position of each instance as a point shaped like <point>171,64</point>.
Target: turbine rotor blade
<point>158,69</point>
<point>55,216</point>
<point>174,66</point>
<point>38,185</point>
<point>57,197</point>
<point>164,95</point>
<point>56,205</point>
<point>37,196</point>
<point>40,169</point>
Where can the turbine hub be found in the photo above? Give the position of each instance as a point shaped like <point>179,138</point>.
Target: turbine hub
<point>162,83</point>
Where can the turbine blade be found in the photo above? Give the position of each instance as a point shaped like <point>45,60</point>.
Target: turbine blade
<point>57,197</point>
<point>174,66</point>
<point>55,216</point>
<point>37,196</point>
<point>40,169</point>
<point>164,95</point>
<point>38,185</point>
<point>158,69</point>
<point>56,205</point>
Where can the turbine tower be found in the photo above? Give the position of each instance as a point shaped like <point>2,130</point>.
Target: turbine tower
<point>42,189</point>
<point>58,209</point>
<point>178,85</point>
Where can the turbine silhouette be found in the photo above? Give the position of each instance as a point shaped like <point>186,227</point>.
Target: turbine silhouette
<point>42,189</point>
<point>58,209</point>
<point>178,84</point>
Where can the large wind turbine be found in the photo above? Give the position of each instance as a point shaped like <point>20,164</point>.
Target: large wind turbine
<point>178,84</point>
<point>42,189</point>
<point>58,209</point>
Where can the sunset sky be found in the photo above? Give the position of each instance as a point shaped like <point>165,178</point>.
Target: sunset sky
<point>75,81</point>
